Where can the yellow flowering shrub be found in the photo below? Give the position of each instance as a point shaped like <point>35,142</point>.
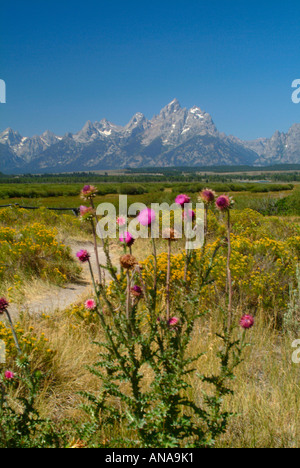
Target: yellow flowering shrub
<point>34,251</point>
<point>79,314</point>
<point>19,217</point>
<point>265,252</point>
<point>29,341</point>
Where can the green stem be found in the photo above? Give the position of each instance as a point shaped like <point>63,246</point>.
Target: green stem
<point>106,250</point>
<point>205,220</point>
<point>104,325</point>
<point>186,266</point>
<point>229,279</point>
<point>13,332</point>
<point>155,272</point>
<point>168,279</point>
<point>96,251</point>
<point>138,269</point>
<point>93,279</point>
<point>128,304</point>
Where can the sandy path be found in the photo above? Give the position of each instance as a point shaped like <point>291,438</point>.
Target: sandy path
<point>63,297</point>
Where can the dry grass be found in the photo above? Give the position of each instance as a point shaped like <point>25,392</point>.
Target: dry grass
<point>267,392</point>
<point>72,349</point>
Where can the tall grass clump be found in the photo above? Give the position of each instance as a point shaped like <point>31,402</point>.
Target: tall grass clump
<point>291,318</point>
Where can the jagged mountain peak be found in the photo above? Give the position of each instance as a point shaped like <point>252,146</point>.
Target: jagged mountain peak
<point>195,109</point>
<point>10,137</point>
<point>138,117</point>
<point>9,130</point>
<point>48,133</point>
<point>173,107</point>
<point>137,122</point>
<point>108,127</point>
<point>200,121</point>
<point>197,112</point>
<point>105,122</point>
<point>87,132</point>
<point>88,125</point>
<point>49,138</point>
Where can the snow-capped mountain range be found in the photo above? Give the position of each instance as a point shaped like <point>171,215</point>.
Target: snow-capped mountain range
<point>175,137</point>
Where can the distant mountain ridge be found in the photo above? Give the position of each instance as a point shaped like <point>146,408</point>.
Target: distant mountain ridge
<point>175,137</point>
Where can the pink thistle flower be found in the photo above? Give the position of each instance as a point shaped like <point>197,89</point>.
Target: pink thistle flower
<point>147,217</point>
<point>86,211</point>
<point>223,203</point>
<point>90,304</point>
<point>247,321</point>
<point>3,305</point>
<point>83,256</point>
<point>126,238</point>
<point>208,196</point>
<point>136,291</point>
<point>182,200</point>
<point>9,375</point>
<point>88,191</point>
<point>190,214</point>
<point>173,322</point>
<point>121,221</point>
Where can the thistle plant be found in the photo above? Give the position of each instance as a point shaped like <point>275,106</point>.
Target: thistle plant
<point>182,200</point>
<point>88,193</point>
<point>146,359</point>
<point>170,235</point>
<point>21,425</point>
<point>224,204</point>
<point>208,197</point>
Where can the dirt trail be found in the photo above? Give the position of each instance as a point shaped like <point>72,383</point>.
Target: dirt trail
<point>63,297</point>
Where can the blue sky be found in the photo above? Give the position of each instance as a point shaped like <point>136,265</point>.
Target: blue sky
<point>68,62</point>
